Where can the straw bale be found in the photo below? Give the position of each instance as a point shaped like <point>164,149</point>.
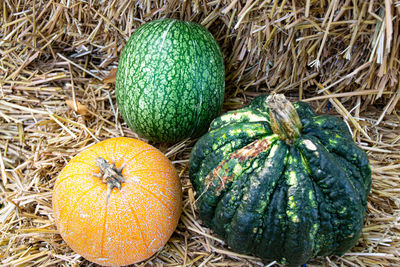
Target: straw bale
<point>57,68</point>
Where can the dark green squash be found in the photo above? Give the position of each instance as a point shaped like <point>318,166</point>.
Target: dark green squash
<point>277,181</point>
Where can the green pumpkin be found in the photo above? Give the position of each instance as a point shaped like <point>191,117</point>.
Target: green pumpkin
<point>275,180</point>
<point>170,81</point>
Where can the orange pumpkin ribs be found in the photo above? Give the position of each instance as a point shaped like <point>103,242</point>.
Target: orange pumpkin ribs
<point>117,202</point>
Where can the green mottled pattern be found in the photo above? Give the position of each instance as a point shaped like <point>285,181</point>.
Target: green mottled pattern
<point>278,201</point>
<point>170,80</point>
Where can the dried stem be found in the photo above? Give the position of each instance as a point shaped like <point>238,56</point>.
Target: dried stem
<point>285,121</point>
<point>110,175</point>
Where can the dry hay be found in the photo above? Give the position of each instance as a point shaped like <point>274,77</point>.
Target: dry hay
<point>57,68</point>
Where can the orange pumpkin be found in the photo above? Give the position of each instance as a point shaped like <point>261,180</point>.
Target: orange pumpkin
<point>117,202</point>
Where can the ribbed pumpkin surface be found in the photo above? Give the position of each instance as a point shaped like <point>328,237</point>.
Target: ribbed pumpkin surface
<point>170,80</point>
<point>280,201</point>
<point>138,219</point>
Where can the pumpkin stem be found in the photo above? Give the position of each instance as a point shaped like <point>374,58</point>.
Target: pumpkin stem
<point>285,121</point>
<point>110,175</point>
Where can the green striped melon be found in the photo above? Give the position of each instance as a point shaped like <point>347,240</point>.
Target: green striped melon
<point>170,80</point>
<point>280,182</point>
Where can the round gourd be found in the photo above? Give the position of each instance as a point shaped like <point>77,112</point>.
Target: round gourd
<point>277,181</point>
<point>117,202</point>
<point>170,80</point>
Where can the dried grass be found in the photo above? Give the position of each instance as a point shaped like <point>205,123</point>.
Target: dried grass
<point>57,68</point>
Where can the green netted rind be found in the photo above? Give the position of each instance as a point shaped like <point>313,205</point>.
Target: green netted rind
<point>170,80</point>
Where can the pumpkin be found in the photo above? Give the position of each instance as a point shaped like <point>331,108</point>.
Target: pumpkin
<point>277,181</point>
<point>170,80</point>
<point>117,202</point>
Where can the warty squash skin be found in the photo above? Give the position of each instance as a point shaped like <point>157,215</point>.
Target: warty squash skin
<point>119,226</point>
<point>170,81</point>
<point>279,193</point>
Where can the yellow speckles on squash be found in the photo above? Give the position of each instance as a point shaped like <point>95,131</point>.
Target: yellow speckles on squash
<point>228,150</point>
<point>237,169</point>
<point>319,121</point>
<point>215,146</point>
<point>291,212</point>
<point>314,230</point>
<point>235,131</point>
<point>292,216</point>
<point>292,178</point>
<point>312,199</point>
<point>255,164</point>
<point>243,116</point>
<point>333,141</point>
<point>292,203</point>
<point>295,219</point>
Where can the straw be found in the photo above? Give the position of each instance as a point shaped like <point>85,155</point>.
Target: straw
<point>57,72</point>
